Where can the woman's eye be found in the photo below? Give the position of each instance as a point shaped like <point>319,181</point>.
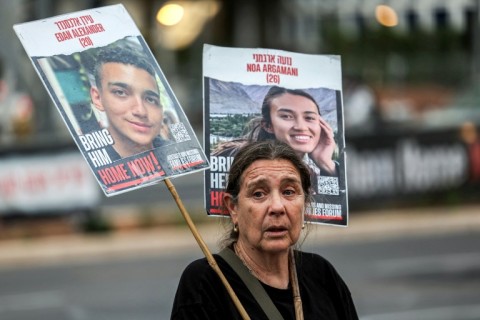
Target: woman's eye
<point>257,194</point>
<point>289,192</point>
<point>285,116</point>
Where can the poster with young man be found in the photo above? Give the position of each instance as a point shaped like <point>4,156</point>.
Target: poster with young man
<point>113,97</point>
<point>260,94</point>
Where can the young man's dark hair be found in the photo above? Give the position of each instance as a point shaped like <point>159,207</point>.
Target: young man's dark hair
<point>123,54</point>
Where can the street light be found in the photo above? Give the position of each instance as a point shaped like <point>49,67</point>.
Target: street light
<point>170,14</point>
<point>181,22</point>
<point>386,16</point>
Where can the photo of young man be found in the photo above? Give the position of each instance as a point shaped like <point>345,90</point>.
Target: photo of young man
<point>127,92</point>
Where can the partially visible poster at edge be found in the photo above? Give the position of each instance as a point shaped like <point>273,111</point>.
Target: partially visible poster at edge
<point>113,97</point>
<point>257,94</point>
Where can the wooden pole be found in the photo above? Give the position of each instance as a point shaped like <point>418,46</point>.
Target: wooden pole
<point>297,299</point>
<point>206,251</point>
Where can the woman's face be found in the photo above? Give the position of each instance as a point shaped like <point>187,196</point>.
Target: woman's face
<point>295,121</point>
<point>269,210</point>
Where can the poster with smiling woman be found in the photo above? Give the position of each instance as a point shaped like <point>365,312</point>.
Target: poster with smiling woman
<point>260,94</point>
<point>113,97</point>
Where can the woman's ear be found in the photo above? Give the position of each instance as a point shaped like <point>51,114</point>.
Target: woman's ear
<point>231,206</point>
<point>267,127</point>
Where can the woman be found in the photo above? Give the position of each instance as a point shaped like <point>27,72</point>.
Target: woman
<point>292,116</point>
<point>266,195</point>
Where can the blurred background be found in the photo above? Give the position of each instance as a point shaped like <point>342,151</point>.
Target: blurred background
<point>411,93</point>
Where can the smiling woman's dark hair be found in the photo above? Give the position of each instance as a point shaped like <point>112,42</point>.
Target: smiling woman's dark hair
<point>256,125</point>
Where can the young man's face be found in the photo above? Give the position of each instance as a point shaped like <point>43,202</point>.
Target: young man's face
<point>130,98</point>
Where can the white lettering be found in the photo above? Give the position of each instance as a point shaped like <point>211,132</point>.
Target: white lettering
<point>220,164</point>
<point>96,140</point>
<point>218,180</point>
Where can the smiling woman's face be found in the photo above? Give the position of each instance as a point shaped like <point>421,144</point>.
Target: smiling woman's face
<point>269,208</point>
<point>295,121</point>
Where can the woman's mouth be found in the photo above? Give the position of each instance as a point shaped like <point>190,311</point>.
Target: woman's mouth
<point>276,231</point>
<point>301,138</point>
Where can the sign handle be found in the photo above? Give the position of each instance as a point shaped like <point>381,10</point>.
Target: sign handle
<point>206,251</point>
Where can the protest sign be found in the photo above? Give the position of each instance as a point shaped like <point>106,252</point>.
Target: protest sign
<point>258,94</point>
<point>56,182</point>
<point>113,97</point>
<point>117,104</point>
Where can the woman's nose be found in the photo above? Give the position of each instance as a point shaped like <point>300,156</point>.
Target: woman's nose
<point>299,124</point>
<point>277,206</point>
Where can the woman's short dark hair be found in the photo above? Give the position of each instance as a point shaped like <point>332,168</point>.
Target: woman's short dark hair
<point>265,150</point>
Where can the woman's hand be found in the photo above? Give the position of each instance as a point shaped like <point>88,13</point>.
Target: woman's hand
<point>322,154</point>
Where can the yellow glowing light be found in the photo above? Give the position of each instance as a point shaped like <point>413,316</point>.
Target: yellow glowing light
<point>170,14</point>
<point>386,16</point>
<point>196,14</point>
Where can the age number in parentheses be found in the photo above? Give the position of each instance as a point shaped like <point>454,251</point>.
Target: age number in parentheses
<point>273,78</point>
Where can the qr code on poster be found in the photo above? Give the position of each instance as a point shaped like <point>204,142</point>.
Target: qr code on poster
<point>179,132</point>
<point>328,185</point>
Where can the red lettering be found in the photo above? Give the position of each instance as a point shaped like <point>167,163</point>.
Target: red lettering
<point>155,160</point>
<point>35,182</point>
<point>64,35</point>
<point>144,165</point>
<point>216,198</point>
<point>253,67</point>
<point>8,187</point>
<point>114,174</point>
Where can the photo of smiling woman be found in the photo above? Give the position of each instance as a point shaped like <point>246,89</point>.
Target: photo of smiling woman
<point>292,116</point>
